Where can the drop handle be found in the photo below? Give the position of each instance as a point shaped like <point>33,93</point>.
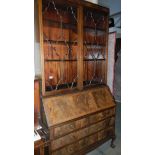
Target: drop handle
<point>71,126</point>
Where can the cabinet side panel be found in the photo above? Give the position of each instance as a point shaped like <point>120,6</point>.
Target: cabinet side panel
<point>41,44</point>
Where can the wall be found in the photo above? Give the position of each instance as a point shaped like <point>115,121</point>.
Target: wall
<point>114,5</point>
<point>93,1</point>
<point>37,64</point>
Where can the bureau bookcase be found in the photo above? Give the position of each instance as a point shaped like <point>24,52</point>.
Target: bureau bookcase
<point>78,107</point>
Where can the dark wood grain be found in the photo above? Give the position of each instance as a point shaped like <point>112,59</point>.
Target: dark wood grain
<point>77,106</point>
<point>74,118</point>
<point>67,32</point>
<point>80,48</point>
<point>39,147</point>
<point>41,45</point>
<point>36,103</point>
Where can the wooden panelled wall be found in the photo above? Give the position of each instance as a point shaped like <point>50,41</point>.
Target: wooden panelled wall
<point>73,44</point>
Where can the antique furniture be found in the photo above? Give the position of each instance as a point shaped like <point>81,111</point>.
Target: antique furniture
<point>80,121</point>
<point>37,138</point>
<point>38,147</point>
<point>39,132</point>
<point>36,103</point>
<point>77,106</point>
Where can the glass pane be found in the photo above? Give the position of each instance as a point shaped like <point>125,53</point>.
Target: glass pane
<point>60,45</point>
<point>94,47</point>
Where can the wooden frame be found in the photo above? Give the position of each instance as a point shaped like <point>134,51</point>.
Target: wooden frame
<point>41,44</point>
<point>80,5</point>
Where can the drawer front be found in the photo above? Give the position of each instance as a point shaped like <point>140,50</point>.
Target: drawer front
<point>68,150</point>
<point>81,133</point>
<point>110,112</point>
<point>101,115</point>
<point>85,142</point>
<point>102,135</point>
<point>69,127</point>
<point>65,129</point>
<point>93,118</point>
<point>92,129</point>
<point>98,126</point>
<point>60,152</point>
<point>82,123</point>
<point>71,149</point>
<point>92,139</point>
<point>82,143</point>
<point>60,142</point>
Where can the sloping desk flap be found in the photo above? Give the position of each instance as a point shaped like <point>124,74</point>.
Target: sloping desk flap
<point>59,109</point>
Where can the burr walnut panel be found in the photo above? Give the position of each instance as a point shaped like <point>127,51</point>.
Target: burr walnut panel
<point>61,130</point>
<point>69,127</point>
<point>81,144</point>
<point>81,133</point>
<point>60,109</point>
<point>79,120</point>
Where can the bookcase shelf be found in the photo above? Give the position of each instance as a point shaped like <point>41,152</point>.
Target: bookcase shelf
<point>73,39</point>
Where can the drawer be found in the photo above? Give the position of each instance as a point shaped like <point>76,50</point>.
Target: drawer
<point>92,129</point>
<point>102,125</point>
<point>92,139</point>
<point>68,150</point>
<point>82,133</point>
<point>63,141</point>
<point>102,134</point>
<point>94,118</point>
<point>60,152</point>
<point>101,115</point>
<point>64,129</point>
<point>71,149</point>
<point>82,123</point>
<point>82,143</point>
<point>110,112</point>
<point>98,126</point>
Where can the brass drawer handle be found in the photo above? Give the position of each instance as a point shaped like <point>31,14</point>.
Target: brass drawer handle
<point>71,126</point>
<point>70,149</point>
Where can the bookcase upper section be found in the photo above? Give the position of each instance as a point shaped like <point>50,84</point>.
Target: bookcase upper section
<point>73,44</point>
